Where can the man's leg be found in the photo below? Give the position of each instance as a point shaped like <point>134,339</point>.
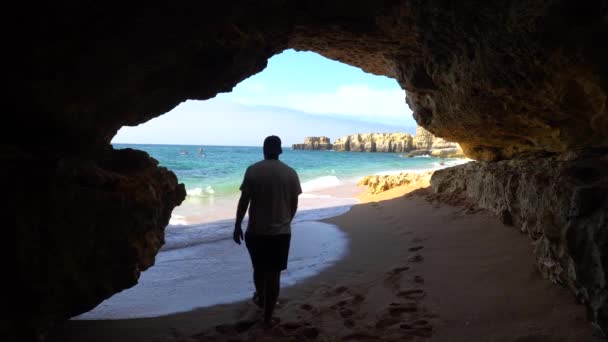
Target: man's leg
<point>272,284</point>
<point>258,281</point>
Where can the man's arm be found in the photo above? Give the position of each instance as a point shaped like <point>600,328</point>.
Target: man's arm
<point>293,206</point>
<point>241,209</point>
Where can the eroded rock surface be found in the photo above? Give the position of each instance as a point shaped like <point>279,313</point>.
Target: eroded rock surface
<point>379,183</point>
<point>83,228</point>
<point>425,143</point>
<point>374,142</point>
<point>314,143</point>
<point>561,202</point>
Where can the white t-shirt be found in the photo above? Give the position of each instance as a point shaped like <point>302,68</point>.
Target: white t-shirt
<point>272,186</point>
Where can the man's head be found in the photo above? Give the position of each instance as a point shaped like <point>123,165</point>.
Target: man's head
<point>272,147</point>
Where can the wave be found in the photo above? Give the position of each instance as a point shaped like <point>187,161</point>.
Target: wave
<point>177,220</point>
<point>319,183</point>
<point>183,235</point>
<point>200,192</point>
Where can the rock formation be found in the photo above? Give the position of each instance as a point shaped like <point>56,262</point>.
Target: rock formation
<point>561,202</point>
<point>375,142</point>
<point>314,143</point>
<point>514,80</point>
<point>425,143</point>
<point>379,183</point>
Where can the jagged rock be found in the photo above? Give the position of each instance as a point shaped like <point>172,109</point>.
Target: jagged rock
<point>561,202</point>
<point>380,183</point>
<point>102,220</point>
<point>374,142</point>
<point>425,143</point>
<point>314,143</point>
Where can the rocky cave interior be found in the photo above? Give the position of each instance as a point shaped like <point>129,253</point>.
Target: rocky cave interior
<point>521,85</point>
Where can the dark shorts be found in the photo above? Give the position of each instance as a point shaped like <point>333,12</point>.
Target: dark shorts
<point>268,252</point>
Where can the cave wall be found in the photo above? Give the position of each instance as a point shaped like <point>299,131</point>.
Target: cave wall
<point>560,202</point>
<point>505,79</point>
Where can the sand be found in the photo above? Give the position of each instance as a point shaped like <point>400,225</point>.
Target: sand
<point>415,271</point>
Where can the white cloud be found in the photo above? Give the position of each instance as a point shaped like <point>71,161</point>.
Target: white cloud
<point>354,101</point>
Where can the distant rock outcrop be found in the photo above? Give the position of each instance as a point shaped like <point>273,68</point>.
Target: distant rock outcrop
<point>375,142</point>
<point>425,143</point>
<point>314,143</point>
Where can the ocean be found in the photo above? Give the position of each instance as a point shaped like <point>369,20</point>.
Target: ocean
<point>200,265</point>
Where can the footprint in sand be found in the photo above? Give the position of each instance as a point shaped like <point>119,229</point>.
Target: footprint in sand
<point>306,307</point>
<point>346,312</point>
<point>398,270</point>
<point>415,258</point>
<point>419,327</point>
<point>360,336</point>
<point>337,290</point>
<point>387,322</point>
<point>349,323</point>
<point>412,294</point>
<point>348,307</point>
<point>419,239</point>
<point>299,330</point>
<point>398,309</point>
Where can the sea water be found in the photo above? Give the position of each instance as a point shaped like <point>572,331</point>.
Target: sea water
<point>200,265</point>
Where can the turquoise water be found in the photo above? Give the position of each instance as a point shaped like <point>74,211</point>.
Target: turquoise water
<point>219,170</point>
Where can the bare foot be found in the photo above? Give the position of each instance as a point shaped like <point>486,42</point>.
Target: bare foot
<point>266,325</point>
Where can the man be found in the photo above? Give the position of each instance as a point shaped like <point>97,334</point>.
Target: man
<point>270,189</point>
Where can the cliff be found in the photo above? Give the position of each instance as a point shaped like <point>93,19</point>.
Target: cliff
<point>425,143</point>
<point>374,142</point>
<point>314,143</point>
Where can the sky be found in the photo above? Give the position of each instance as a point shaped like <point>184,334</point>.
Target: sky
<point>299,94</point>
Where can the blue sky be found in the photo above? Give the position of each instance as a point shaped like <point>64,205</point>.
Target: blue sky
<point>299,94</point>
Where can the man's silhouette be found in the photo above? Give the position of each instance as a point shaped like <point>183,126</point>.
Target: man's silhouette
<point>270,189</point>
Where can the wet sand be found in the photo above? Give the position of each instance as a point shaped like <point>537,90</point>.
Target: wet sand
<point>415,271</point>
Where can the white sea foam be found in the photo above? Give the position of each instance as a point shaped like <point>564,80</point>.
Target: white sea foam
<point>200,192</point>
<point>177,220</point>
<point>319,183</point>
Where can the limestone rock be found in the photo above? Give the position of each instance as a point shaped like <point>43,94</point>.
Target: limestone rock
<point>425,143</point>
<point>380,183</point>
<point>374,142</point>
<point>314,143</point>
<point>561,202</point>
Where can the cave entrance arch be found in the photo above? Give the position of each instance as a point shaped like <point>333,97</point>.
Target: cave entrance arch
<point>199,265</point>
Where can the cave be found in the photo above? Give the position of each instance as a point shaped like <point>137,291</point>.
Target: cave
<point>521,85</point>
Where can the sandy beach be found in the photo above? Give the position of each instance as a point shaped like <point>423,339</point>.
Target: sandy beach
<point>416,270</point>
